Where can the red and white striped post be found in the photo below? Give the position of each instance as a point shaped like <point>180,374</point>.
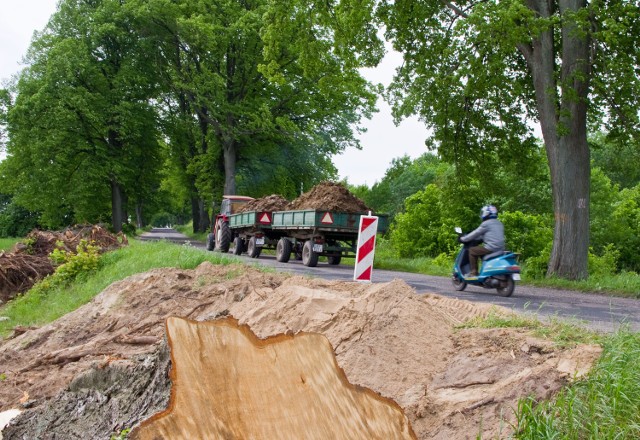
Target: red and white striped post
<point>366,248</point>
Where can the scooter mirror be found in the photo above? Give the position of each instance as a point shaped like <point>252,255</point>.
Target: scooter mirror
<point>458,229</point>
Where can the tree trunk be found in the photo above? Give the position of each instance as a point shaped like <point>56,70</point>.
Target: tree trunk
<point>125,207</point>
<point>116,205</point>
<point>230,156</point>
<point>563,125</point>
<point>205,222</point>
<point>195,213</point>
<point>570,186</point>
<point>139,217</point>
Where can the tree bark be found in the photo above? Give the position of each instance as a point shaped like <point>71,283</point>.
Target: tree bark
<point>230,157</point>
<point>139,217</point>
<point>195,213</point>
<point>116,205</point>
<point>205,222</point>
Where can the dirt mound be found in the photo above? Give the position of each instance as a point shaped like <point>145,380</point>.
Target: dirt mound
<point>451,383</point>
<point>329,196</point>
<point>29,260</point>
<point>273,202</point>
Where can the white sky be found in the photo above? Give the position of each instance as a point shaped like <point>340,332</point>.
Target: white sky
<point>380,144</point>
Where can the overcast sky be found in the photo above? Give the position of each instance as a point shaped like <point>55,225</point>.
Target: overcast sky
<point>382,142</point>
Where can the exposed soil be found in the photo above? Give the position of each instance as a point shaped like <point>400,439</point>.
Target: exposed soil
<point>273,202</point>
<point>28,262</point>
<point>329,196</point>
<point>103,367</point>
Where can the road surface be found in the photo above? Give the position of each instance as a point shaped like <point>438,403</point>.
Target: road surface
<point>595,311</point>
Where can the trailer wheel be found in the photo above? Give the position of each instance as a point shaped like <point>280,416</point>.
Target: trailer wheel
<point>283,250</point>
<point>238,246</point>
<point>309,257</point>
<point>334,259</point>
<point>252,250</point>
<point>223,236</point>
<point>211,242</point>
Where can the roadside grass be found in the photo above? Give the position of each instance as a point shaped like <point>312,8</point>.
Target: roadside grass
<point>604,405</point>
<point>625,284</point>
<point>563,333</point>
<point>7,243</point>
<point>40,306</point>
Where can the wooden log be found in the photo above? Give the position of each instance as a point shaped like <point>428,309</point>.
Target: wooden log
<point>227,383</point>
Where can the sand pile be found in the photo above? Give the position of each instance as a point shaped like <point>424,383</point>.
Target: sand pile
<point>273,202</point>
<point>329,196</point>
<point>452,384</point>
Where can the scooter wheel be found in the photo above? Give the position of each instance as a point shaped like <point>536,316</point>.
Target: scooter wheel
<point>506,287</point>
<point>458,284</point>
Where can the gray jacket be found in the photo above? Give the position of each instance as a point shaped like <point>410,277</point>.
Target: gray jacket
<point>491,232</point>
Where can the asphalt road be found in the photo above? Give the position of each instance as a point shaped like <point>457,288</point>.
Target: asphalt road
<point>595,311</point>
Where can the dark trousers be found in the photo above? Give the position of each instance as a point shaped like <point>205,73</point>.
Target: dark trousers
<point>474,253</point>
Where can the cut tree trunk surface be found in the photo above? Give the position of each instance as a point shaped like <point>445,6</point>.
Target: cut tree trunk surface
<point>227,383</point>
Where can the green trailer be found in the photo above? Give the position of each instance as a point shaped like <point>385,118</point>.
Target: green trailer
<point>312,233</point>
<point>252,232</point>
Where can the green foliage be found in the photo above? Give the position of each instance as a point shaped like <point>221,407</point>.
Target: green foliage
<point>526,234</point>
<point>424,228</point>
<point>15,221</point>
<point>617,158</point>
<point>605,264</point>
<point>81,128</point>
<point>603,405</point>
<point>69,266</point>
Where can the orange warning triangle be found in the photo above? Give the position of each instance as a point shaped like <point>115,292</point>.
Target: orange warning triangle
<point>327,219</point>
<point>265,218</point>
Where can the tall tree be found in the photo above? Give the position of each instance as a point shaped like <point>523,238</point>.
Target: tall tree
<point>477,72</point>
<point>227,112</point>
<point>82,128</point>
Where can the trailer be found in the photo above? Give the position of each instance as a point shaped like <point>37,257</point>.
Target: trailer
<point>306,234</point>
<point>312,233</point>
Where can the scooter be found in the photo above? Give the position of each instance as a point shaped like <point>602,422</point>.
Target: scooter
<point>499,270</point>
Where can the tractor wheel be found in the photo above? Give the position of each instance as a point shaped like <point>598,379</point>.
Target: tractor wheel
<point>238,246</point>
<point>211,242</point>
<point>283,250</point>
<point>252,250</point>
<point>334,259</point>
<point>223,237</point>
<point>309,257</point>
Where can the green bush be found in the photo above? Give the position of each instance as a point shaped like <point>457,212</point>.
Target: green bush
<point>421,230</point>
<point>605,264</point>
<point>536,267</point>
<point>527,234</point>
<point>69,265</point>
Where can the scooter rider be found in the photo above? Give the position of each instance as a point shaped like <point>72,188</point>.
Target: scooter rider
<point>490,231</point>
